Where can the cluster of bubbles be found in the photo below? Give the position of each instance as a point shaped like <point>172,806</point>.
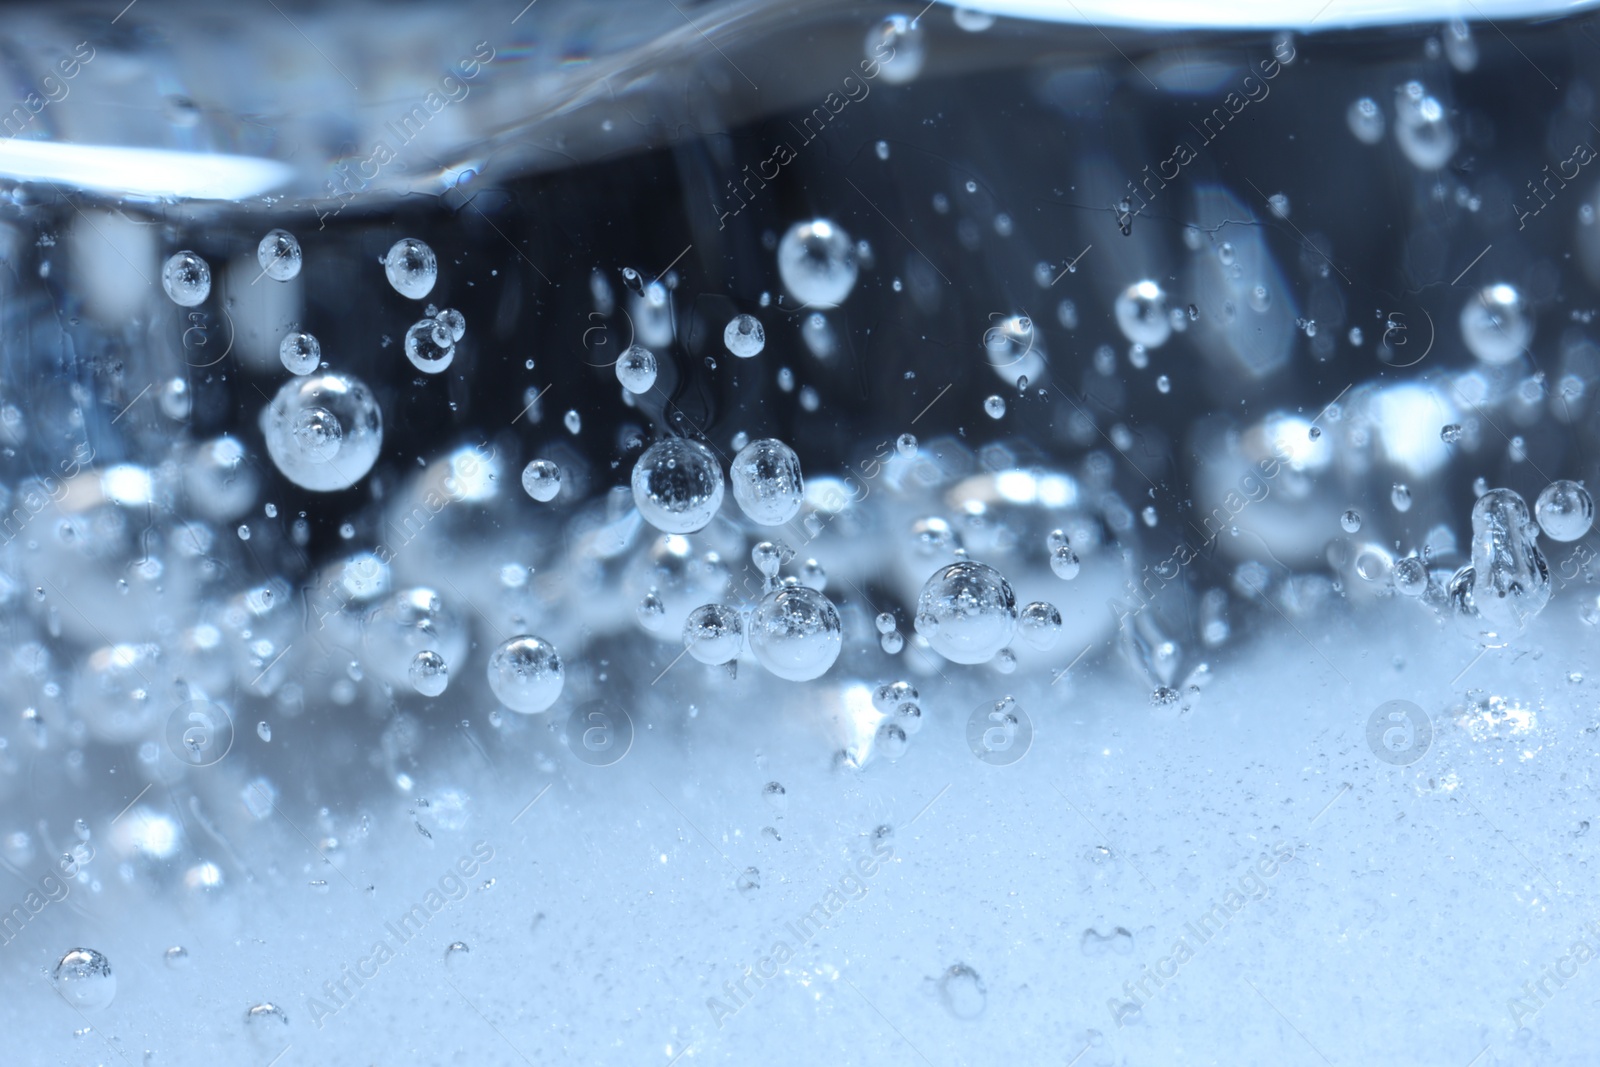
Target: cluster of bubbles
<point>430,342</point>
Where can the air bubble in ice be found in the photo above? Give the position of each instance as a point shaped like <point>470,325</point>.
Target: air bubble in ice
<point>973,608</point>
<point>1064,562</point>
<point>1495,324</point>
<point>1411,576</point>
<point>896,43</point>
<point>677,485</point>
<point>995,407</point>
<point>1141,312</point>
<point>767,484</point>
<point>817,263</point>
<point>884,622</point>
<point>906,444</point>
<point>963,992</point>
<point>651,611</point>
<point>1565,510</point>
<point>744,336</point>
<point>323,432</point>
<point>83,976</point>
<point>411,268</point>
<point>796,633</point>
<point>1040,625</point>
<point>279,255</point>
<point>264,730</point>
<point>1400,497</point>
<point>541,479</point>
<point>300,353</point>
<point>892,642</point>
<point>430,346</point>
<point>1510,580</point>
<point>1350,521</point>
<point>176,957</point>
<point>186,278</point>
<point>1422,127</point>
<point>1365,119</point>
<point>525,674</point>
<point>714,633</point>
<point>429,673</point>
<point>572,421</point>
<point>1450,434</point>
<point>454,321</point>
<point>636,369</point>
<point>891,741</point>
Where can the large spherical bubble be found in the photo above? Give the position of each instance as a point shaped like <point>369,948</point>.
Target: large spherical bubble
<point>526,674</point>
<point>714,633</point>
<point>279,255</point>
<point>1565,510</point>
<point>967,612</point>
<point>1496,325</point>
<point>187,279</point>
<point>744,336</point>
<point>636,369</point>
<point>83,978</point>
<point>324,431</point>
<point>406,623</point>
<point>299,352</point>
<point>766,482</point>
<point>677,485</point>
<point>430,346</point>
<point>1142,314</point>
<point>796,633</point>
<point>817,263</point>
<point>411,267</point>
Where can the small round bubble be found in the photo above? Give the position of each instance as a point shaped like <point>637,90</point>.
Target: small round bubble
<point>906,444</point>
<point>187,279</point>
<point>1064,563</point>
<point>744,336</point>
<point>541,479</point>
<point>1141,313</point>
<point>1350,521</point>
<point>796,633</point>
<point>677,485</point>
<point>429,346</point>
<point>767,484</point>
<point>974,609</point>
<point>300,353</point>
<point>636,369</point>
<point>1564,510</point>
<point>1496,324</point>
<point>83,977</point>
<point>411,268</point>
<point>429,673</point>
<point>1410,576</point>
<point>279,255</point>
<point>817,263</point>
<point>994,407</point>
<point>714,633</point>
<point>454,321</point>
<point>323,431</point>
<point>525,674</point>
<point>1040,625</point>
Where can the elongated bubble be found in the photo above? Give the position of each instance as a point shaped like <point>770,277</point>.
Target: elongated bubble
<point>1511,582</point>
